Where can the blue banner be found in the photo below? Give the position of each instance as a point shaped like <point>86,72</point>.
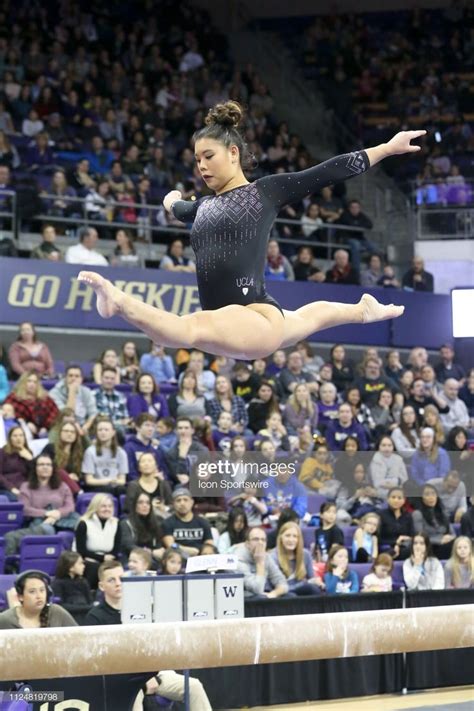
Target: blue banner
<point>48,294</point>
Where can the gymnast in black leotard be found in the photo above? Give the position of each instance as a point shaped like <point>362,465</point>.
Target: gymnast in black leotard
<point>231,230</point>
<point>229,236</point>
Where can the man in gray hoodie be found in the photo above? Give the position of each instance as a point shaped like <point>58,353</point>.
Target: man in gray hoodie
<point>262,576</point>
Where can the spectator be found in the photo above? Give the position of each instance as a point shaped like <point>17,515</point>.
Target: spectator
<point>108,359</point>
<point>371,275</point>
<point>394,368</point>
<point>129,363</point>
<point>144,441</point>
<point>187,402</point>
<point>262,576</point>
<point>457,415</point>
<point>372,382</point>
<point>28,354</point>
<point>147,398</point>
<point>300,410</point>
<point>429,461</point>
<point>39,154</point>
<point>67,451</point>
<point>311,221</point>
<point>109,401</point>
<point>342,271</point>
<point>274,432</point>
<point>125,254</point>
<point>387,469</point>
<point>379,578</point>
<point>459,570</point>
<point>176,457</point>
<point>431,519</point>
<point>317,470</point>
<point>105,464</point>
<point>141,528</point>
<point>278,267</point>
<point>305,268</point>
<point>365,546</point>
<point>32,404</point>
<point>71,587</point>
<point>70,392</point>
<point>158,364</point>
<point>294,561</point>
<point>150,479</point>
<point>98,536</point>
<point>339,578</point>
<point>99,202</point>
<point>452,493</point>
<point>245,382</point>
<point>47,249</point>
<point>422,571</point>
<point>57,200</point>
<point>9,157</point>
<point>353,216</point>
<point>406,437</point>
<point>172,562</point>
<point>360,411</point>
<point>205,378</point>
<point>328,534</point>
<point>396,525</point>
<point>284,490</point>
<point>224,400</point>
<point>416,278</point>
<point>167,684</point>
<point>34,608</point>
<point>447,368</point>
<point>312,363</point>
<point>262,407</point>
<point>236,531</point>
<point>388,279</point>
<point>293,374</point>
<point>342,371</point>
<point>432,419</point>
<point>467,395</point>
<point>100,159</point>
<point>461,455</point>
<point>428,376</point>
<point>175,261</point>
<point>345,426</point>
<point>188,531</point>
<point>84,252</point>
<point>467,523</point>
<point>277,364</point>
<point>327,405</point>
<point>81,179</point>
<point>139,563</point>
<point>330,207</point>
<point>15,459</point>
<point>385,414</point>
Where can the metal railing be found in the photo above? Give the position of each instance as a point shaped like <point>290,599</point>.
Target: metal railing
<point>445,223</point>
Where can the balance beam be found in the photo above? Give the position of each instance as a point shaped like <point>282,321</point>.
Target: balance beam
<point>91,651</point>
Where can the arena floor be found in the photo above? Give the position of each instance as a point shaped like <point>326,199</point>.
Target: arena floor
<point>451,699</point>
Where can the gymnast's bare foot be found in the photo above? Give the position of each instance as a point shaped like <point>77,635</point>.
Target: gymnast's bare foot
<point>109,298</point>
<point>372,310</point>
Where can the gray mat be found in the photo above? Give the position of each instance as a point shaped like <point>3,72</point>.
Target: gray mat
<point>461,706</point>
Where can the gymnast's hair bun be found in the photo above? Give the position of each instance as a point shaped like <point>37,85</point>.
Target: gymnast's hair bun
<point>228,114</point>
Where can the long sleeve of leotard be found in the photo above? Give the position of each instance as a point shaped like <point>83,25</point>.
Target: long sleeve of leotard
<point>185,210</point>
<point>286,188</point>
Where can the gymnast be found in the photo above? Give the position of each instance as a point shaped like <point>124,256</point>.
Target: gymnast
<point>229,237</point>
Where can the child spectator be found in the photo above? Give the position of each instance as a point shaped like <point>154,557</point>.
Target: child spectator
<point>166,435</point>
<point>172,562</point>
<point>8,415</point>
<point>105,464</point>
<point>71,587</point>
<point>422,571</point>
<point>223,435</point>
<point>139,563</point>
<point>365,542</point>
<point>338,577</point>
<point>328,534</point>
<point>459,570</point>
<point>379,579</point>
<point>235,532</point>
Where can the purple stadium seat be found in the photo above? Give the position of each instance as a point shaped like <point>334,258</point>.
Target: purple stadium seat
<point>67,538</point>
<point>11,516</point>
<point>40,553</point>
<point>397,575</point>
<point>362,569</point>
<point>83,501</point>
<point>308,536</point>
<point>348,535</point>
<point>6,582</point>
<point>2,555</point>
<point>315,501</point>
<point>122,502</point>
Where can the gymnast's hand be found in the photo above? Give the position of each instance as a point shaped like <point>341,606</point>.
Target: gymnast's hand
<point>170,198</point>
<point>401,143</point>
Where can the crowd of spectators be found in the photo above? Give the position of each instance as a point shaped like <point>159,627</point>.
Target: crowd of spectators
<point>388,71</point>
<point>386,445</point>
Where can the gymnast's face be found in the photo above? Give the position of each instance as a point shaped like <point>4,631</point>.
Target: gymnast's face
<point>216,163</point>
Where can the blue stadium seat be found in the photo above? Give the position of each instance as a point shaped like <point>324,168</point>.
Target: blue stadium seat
<point>11,516</point>
<point>40,553</point>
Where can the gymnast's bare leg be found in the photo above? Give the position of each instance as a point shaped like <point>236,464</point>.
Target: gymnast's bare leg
<point>241,332</point>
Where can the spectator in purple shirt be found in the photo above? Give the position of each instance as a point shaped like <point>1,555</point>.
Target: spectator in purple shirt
<point>147,398</point>
<point>345,426</point>
<point>144,441</point>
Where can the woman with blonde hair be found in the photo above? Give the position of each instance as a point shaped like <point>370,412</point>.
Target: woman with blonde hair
<point>98,536</point>
<point>295,561</point>
<point>431,419</point>
<point>300,410</point>
<point>224,400</point>
<point>459,570</point>
<point>32,404</point>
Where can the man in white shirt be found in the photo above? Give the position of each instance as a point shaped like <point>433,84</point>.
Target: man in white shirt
<point>84,252</point>
<point>458,414</point>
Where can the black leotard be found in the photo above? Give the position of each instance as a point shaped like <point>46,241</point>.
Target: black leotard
<point>230,231</point>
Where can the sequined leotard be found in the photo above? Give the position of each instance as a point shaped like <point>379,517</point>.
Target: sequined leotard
<point>230,231</point>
